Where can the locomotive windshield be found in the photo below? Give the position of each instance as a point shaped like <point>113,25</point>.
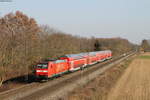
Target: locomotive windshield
<point>42,66</point>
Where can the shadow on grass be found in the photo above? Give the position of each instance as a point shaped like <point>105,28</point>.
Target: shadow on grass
<point>24,79</point>
<point>17,81</point>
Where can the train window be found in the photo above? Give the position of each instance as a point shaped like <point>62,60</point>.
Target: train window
<point>42,66</point>
<point>60,61</point>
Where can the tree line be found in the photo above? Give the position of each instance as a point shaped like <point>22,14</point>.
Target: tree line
<point>145,45</point>
<point>23,43</point>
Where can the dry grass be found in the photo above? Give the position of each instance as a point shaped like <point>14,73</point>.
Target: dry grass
<point>135,82</point>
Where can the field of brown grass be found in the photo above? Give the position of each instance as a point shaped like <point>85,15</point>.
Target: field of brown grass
<point>135,82</point>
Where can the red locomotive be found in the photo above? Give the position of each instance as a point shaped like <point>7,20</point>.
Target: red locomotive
<point>69,63</point>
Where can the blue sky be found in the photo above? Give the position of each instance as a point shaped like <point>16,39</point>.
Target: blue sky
<point>99,18</point>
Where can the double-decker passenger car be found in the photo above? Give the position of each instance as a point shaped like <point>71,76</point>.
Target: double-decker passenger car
<point>75,61</point>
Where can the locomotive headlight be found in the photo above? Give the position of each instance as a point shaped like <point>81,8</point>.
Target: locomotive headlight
<point>45,71</point>
<point>41,70</point>
<point>38,70</point>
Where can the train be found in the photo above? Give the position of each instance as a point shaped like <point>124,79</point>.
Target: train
<point>69,63</point>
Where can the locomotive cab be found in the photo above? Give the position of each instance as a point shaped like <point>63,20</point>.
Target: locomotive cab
<point>51,69</point>
<point>42,70</point>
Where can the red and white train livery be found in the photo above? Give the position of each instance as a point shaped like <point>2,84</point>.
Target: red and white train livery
<point>70,63</point>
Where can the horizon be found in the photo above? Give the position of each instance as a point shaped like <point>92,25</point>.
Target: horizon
<point>98,18</point>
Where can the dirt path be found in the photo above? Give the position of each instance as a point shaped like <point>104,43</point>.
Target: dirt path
<point>134,83</point>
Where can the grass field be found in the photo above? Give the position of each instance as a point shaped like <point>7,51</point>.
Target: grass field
<point>144,57</point>
<point>134,84</point>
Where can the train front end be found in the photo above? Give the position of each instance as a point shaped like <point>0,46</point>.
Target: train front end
<point>41,70</point>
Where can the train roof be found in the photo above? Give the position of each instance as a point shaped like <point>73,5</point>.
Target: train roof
<point>74,56</point>
<point>82,55</point>
<point>54,61</point>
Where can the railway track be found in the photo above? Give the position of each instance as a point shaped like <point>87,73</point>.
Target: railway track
<point>59,87</point>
